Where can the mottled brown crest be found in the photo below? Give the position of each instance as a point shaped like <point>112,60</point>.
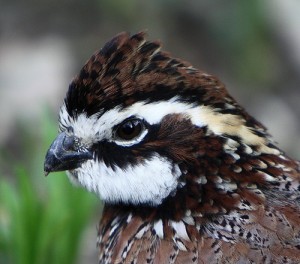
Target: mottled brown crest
<point>129,69</point>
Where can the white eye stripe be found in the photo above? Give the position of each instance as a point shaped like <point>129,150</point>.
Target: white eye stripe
<point>154,112</point>
<point>94,128</point>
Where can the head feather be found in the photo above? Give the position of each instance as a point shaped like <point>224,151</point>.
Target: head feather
<point>130,69</point>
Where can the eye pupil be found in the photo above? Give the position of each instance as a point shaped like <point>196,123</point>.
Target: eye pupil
<point>130,129</point>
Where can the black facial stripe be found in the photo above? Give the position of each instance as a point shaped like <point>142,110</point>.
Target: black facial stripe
<point>114,155</point>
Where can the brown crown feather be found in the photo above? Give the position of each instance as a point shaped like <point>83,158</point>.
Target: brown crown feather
<point>129,69</point>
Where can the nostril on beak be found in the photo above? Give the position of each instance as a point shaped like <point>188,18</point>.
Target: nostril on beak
<point>69,143</point>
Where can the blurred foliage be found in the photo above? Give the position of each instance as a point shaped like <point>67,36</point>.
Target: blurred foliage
<point>41,219</point>
<point>245,34</point>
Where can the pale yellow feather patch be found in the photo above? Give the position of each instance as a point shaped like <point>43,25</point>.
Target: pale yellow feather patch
<point>234,125</point>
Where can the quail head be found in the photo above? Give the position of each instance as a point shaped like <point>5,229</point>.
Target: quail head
<point>185,173</point>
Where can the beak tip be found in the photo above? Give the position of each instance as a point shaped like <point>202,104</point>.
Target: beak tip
<point>47,169</point>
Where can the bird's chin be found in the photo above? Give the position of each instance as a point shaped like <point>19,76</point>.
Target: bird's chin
<point>73,177</point>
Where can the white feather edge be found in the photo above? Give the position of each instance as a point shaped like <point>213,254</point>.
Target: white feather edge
<point>159,230</point>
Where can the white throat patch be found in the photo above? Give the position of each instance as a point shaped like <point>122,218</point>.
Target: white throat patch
<point>146,183</point>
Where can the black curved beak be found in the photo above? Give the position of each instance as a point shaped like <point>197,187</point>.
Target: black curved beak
<point>62,154</point>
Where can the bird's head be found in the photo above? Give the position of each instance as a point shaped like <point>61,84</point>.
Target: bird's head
<point>138,126</point>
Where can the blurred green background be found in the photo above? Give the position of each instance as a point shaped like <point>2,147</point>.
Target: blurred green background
<point>252,46</point>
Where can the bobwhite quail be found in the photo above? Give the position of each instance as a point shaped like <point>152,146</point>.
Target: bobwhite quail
<point>186,174</point>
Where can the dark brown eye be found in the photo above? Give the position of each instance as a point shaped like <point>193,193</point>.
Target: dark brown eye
<point>130,129</point>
